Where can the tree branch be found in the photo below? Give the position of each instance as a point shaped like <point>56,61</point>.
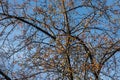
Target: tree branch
<point>33,25</point>
<point>110,55</point>
<point>4,75</point>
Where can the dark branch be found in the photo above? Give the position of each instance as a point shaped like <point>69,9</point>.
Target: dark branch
<point>4,75</point>
<point>33,25</point>
<point>110,55</point>
<point>91,6</point>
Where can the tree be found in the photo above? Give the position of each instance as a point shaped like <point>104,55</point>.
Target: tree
<point>59,39</point>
